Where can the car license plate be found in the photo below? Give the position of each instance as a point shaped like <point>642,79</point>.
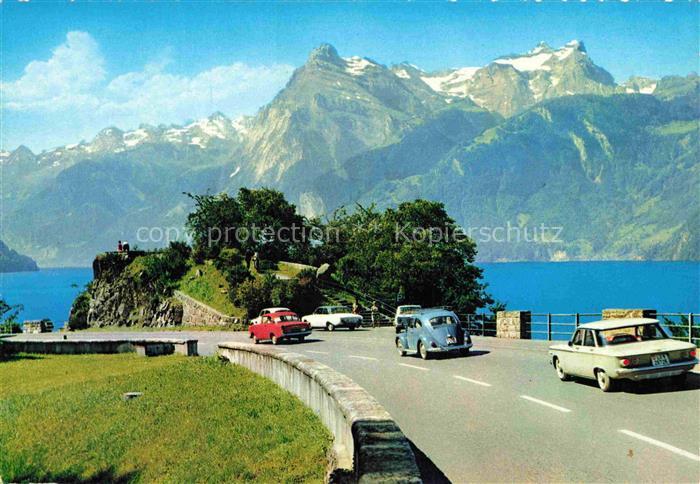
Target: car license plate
<point>659,360</point>
<point>451,340</point>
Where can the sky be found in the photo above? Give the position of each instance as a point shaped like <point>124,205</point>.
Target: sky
<point>71,69</point>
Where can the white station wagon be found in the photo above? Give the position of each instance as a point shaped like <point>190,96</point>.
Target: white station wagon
<point>618,349</point>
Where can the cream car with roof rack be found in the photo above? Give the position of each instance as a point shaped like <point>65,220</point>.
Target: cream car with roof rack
<point>623,349</point>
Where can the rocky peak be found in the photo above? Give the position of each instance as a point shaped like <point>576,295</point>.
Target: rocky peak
<point>325,53</point>
<point>542,46</point>
<point>576,45</point>
<point>21,155</point>
<point>108,139</point>
<point>219,116</point>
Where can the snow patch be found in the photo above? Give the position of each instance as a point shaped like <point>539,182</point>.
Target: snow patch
<point>527,63</point>
<point>175,134</point>
<point>197,141</point>
<point>648,89</point>
<point>451,83</point>
<point>402,74</point>
<point>356,66</point>
<point>213,128</point>
<point>133,138</point>
<point>235,172</point>
<point>241,125</point>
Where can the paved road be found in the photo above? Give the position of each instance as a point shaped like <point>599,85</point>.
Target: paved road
<point>502,415</point>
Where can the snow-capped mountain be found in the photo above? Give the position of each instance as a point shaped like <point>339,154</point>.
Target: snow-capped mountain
<point>215,131</point>
<point>201,133</point>
<point>367,131</point>
<point>640,85</point>
<point>512,83</point>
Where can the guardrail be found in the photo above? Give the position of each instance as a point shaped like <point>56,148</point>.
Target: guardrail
<point>560,326</point>
<point>366,438</point>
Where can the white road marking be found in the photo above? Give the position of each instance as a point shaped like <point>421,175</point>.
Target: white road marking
<point>663,445</point>
<point>363,357</point>
<point>317,352</point>
<point>414,366</point>
<point>476,382</point>
<point>546,404</point>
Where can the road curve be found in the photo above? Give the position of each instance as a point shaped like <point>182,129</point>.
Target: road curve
<point>501,414</point>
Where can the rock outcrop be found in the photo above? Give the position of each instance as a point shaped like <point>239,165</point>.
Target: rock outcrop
<point>116,297</point>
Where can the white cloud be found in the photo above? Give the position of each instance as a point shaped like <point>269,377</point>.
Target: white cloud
<point>75,68</point>
<point>73,87</point>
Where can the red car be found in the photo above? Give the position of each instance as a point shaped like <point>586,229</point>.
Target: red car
<point>279,326</point>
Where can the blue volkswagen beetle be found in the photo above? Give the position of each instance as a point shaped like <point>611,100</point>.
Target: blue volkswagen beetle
<point>432,331</point>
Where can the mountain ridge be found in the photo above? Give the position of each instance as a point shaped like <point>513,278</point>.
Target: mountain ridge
<point>12,261</point>
<point>349,129</point>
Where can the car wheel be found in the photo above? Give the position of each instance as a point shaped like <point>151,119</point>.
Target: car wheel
<point>400,348</point>
<point>604,381</point>
<point>423,351</point>
<point>464,352</point>
<point>351,328</point>
<point>275,340</point>
<point>560,371</point>
<point>256,340</point>
<point>250,335</point>
<point>301,340</point>
<point>330,326</point>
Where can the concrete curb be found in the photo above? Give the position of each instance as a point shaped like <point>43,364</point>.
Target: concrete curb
<point>366,438</point>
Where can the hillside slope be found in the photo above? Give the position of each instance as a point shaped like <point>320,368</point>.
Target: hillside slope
<point>618,175</point>
<point>11,261</point>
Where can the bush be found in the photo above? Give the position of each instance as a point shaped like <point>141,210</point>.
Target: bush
<point>303,294</point>
<point>161,271</point>
<point>8,318</point>
<point>255,294</point>
<point>78,317</point>
<point>266,265</point>
<point>300,294</point>
<point>232,264</point>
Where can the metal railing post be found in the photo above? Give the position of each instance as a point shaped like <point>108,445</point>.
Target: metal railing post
<point>690,327</point>
<point>578,319</point>
<point>549,326</point>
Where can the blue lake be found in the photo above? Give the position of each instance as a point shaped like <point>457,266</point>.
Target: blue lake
<point>47,293</point>
<point>589,287</point>
<point>564,287</point>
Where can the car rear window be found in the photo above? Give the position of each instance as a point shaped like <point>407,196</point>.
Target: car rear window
<point>633,334</point>
<point>442,320</point>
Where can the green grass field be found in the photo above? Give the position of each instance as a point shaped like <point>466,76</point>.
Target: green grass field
<point>211,288</point>
<point>62,418</point>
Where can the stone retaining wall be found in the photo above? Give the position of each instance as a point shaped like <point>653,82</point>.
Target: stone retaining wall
<point>366,438</point>
<point>196,313</point>
<point>149,347</point>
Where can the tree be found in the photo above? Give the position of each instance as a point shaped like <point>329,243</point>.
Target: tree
<point>213,224</point>
<point>8,317</point>
<point>273,223</point>
<point>258,220</point>
<point>415,252</point>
